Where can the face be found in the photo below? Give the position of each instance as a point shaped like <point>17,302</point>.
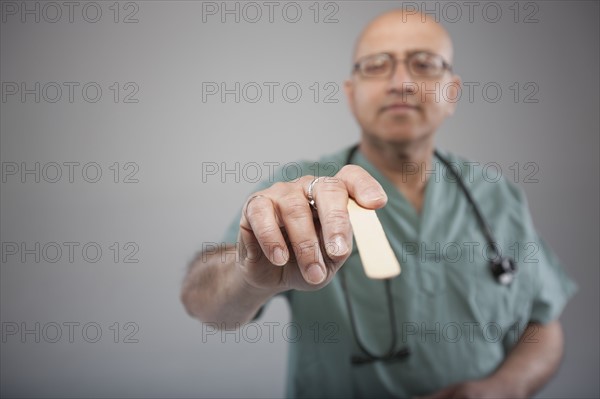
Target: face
<point>402,108</point>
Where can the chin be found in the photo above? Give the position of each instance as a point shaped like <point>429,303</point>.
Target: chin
<point>400,141</point>
<point>398,136</point>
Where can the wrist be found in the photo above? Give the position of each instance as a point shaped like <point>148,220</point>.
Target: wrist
<point>254,291</point>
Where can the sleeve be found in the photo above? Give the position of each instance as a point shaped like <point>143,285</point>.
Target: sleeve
<point>554,288</point>
<point>551,287</point>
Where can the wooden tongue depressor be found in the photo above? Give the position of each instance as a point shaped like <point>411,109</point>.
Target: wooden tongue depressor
<point>374,249</point>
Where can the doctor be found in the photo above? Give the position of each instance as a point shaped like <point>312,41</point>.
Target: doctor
<point>445,327</point>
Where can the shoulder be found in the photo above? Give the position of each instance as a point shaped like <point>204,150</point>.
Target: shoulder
<point>502,203</point>
<point>486,180</point>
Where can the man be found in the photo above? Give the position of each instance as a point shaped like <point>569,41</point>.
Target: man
<point>447,328</point>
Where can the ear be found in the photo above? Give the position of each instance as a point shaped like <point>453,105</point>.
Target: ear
<point>349,90</point>
<point>452,92</point>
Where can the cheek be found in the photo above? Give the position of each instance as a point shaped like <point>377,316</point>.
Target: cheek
<point>435,110</point>
<point>444,110</point>
<point>436,107</point>
<point>440,105</point>
<point>367,102</point>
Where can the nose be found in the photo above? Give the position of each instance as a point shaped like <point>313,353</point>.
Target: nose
<point>401,79</point>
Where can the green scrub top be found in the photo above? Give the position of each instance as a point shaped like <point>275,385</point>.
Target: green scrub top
<point>455,318</point>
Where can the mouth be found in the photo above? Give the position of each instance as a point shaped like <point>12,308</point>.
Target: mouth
<point>399,107</point>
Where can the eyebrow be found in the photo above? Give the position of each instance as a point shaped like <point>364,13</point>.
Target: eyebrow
<point>408,53</point>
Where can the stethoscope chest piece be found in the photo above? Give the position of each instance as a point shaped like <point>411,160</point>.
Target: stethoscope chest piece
<point>503,269</point>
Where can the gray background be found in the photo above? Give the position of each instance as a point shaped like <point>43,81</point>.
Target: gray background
<point>170,132</point>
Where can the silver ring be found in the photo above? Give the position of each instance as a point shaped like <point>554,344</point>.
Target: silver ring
<point>311,200</point>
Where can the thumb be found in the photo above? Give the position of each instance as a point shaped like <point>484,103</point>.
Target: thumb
<point>363,187</point>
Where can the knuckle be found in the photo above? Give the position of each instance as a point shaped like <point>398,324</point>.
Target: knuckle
<point>330,185</point>
<point>295,208</point>
<point>264,234</point>
<point>306,247</point>
<point>257,207</point>
<point>365,181</point>
<point>351,169</point>
<point>279,186</point>
<point>336,221</point>
<point>357,176</point>
<point>303,180</point>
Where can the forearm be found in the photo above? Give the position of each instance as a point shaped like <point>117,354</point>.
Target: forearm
<point>533,361</point>
<point>214,290</point>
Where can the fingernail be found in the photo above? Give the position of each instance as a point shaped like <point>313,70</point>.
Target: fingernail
<point>315,273</point>
<point>373,194</point>
<point>279,256</point>
<point>338,247</point>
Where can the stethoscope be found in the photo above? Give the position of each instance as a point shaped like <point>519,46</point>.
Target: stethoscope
<point>502,268</point>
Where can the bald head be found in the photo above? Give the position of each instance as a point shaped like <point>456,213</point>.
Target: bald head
<point>391,108</point>
<point>399,31</point>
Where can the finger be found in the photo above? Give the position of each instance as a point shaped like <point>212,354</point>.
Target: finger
<point>362,187</point>
<point>331,198</point>
<point>296,215</point>
<point>259,228</point>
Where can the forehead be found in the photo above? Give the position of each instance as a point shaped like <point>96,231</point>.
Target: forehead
<point>399,35</point>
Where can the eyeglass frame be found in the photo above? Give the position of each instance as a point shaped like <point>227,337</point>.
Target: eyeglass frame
<point>445,65</point>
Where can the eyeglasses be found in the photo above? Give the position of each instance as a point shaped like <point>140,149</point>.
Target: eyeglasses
<point>421,64</point>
